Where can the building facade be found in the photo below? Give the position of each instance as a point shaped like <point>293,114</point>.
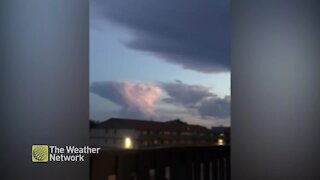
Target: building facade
<point>133,134</point>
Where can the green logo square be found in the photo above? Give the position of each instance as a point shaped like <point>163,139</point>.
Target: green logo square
<point>40,153</point>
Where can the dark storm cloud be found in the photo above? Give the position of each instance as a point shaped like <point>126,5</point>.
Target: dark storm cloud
<point>190,33</point>
<point>197,97</point>
<point>215,107</point>
<point>184,94</point>
<point>108,90</point>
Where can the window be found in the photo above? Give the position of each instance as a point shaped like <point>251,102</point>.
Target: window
<point>155,141</point>
<point>128,144</point>
<point>186,133</point>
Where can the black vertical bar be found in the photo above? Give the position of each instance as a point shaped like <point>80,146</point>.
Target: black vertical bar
<point>215,169</point>
<point>196,170</point>
<point>160,172</point>
<point>142,169</point>
<point>175,164</point>
<point>188,171</point>
<point>221,169</point>
<point>116,167</point>
<point>159,163</point>
<point>206,171</point>
<point>228,168</point>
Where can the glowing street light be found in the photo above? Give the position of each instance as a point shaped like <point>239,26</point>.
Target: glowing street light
<point>128,143</point>
<point>220,142</point>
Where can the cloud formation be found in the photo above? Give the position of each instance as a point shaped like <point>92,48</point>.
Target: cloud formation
<point>190,33</point>
<point>184,94</point>
<point>136,99</point>
<point>215,107</point>
<point>197,97</point>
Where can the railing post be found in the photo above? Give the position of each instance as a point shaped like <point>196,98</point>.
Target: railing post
<point>196,170</point>
<point>221,168</point>
<point>206,171</point>
<point>188,164</point>
<point>205,163</point>
<point>142,171</point>
<point>228,168</point>
<point>160,164</point>
<point>126,165</point>
<point>174,165</point>
<point>196,163</point>
<point>214,169</point>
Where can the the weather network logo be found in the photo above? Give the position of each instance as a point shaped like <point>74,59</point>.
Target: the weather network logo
<point>40,153</point>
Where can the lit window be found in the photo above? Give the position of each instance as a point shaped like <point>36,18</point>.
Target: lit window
<point>220,142</point>
<point>128,143</point>
<point>155,141</point>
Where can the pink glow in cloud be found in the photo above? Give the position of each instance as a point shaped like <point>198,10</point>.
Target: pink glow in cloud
<point>136,98</point>
<point>140,96</point>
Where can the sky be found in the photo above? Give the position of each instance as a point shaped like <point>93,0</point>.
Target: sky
<point>160,60</point>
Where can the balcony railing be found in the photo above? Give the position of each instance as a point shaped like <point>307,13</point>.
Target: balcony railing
<point>175,163</point>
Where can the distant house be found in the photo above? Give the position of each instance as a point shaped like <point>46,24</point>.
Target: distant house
<point>132,133</point>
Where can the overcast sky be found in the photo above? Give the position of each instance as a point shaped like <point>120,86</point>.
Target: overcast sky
<point>160,60</point>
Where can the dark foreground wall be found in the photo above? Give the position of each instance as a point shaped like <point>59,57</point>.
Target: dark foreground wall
<point>44,85</point>
<point>180,163</point>
<point>275,89</point>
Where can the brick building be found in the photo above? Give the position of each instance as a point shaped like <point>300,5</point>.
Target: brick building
<point>131,133</point>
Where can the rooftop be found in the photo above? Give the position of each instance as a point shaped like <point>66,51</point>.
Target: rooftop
<point>171,125</point>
